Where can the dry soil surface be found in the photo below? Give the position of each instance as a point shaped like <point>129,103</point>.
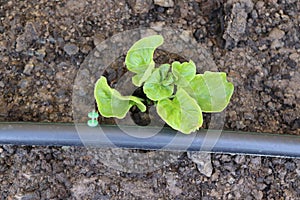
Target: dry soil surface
<point>43,44</point>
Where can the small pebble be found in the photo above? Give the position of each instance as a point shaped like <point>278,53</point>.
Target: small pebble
<point>164,3</point>
<point>28,69</point>
<point>71,49</point>
<point>276,34</point>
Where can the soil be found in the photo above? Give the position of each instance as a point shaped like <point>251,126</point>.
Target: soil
<point>43,44</point>
<point>74,173</point>
<point>256,43</point>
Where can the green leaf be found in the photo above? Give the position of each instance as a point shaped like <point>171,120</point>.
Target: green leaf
<point>183,72</point>
<point>211,90</point>
<point>139,58</point>
<point>168,80</point>
<point>159,85</point>
<point>182,113</point>
<point>111,103</point>
<point>140,78</point>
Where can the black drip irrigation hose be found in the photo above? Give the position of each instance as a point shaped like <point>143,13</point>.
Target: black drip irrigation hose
<point>227,142</point>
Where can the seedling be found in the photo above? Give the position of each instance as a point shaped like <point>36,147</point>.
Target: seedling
<point>179,94</point>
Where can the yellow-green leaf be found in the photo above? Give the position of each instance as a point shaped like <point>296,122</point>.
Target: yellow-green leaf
<point>181,113</point>
<point>183,72</point>
<point>111,103</point>
<point>211,90</point>
<point>139,58</point>
<point>159,85</point>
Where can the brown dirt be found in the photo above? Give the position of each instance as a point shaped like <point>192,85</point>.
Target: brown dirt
<point>44,43</point>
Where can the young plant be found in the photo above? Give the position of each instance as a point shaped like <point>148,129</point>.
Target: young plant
<point>180,95</point>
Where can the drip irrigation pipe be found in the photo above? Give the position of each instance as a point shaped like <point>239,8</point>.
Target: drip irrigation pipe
<point>67,135</point>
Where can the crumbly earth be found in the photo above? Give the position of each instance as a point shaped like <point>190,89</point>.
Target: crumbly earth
<point>43,44</point>
<point>75,173</point>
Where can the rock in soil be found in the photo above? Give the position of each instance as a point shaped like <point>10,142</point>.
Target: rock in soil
<point>203,161</point>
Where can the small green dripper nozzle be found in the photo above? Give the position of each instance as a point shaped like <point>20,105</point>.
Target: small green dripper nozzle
<point>93,122</point>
